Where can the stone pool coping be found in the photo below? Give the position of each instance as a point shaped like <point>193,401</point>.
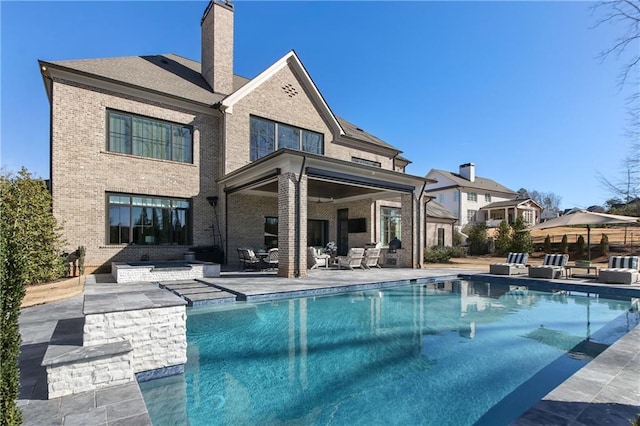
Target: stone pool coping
<point>123,404</point>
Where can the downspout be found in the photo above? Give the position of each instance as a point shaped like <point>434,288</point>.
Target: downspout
<point>296,245</point>
<point>226,227</point>
<point>416,233</point>
<point>429,199</point>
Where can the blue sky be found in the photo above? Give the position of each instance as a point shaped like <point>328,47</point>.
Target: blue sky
<point>515,87</point>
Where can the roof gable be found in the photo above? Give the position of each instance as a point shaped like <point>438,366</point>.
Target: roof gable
<point>291,60</point>
<point>436,210</point>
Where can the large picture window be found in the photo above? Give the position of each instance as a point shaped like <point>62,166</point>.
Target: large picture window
<point>268,136</point>
<point>390,224</point>
<point>147,220</point>
<point>147,137</point>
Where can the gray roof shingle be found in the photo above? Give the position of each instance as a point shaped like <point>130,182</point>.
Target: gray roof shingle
<point>437,210</point>
<point>479,183</point>
<point>179,77</point>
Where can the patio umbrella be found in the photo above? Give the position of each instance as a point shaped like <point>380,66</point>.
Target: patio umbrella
<point>586,218</point>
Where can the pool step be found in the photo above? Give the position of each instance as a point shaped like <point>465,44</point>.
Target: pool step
<point>198,293</point>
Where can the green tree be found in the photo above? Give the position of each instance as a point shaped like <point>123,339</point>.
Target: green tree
<point>521,242</point>
<point>477,233</point>
<point>28,254</point>
<point>547,244</point>
<point>503,238</point>
<point>564,245</point>
<point>580,247</point>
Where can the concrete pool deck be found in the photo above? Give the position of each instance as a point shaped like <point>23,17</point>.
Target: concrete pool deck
<point>606,391</point>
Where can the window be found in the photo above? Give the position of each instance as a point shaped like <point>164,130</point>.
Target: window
<point>366,162</point>
<point>472,215</point>
<point>270,232</point>
<point>268,136</point>
<point>440,237</point>
<point>137,219</point>
<point>317,232</point>
<point>456,196</point>
<point>390,224</point>
<point>487,197</point>
<point>472,196</point>
<point>147,137</point>
<point>441,198</point>
<point>528,216</point>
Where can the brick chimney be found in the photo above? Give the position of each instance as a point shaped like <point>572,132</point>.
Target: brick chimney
<point>468,171</point>
<point>217,45</point>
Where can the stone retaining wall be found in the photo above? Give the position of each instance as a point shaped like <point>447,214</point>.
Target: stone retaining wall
<point>157,335</point>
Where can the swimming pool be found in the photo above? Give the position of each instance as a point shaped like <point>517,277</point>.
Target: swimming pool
<point>453,352</point>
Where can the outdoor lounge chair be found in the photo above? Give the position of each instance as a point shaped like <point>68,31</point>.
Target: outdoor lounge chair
<point>553,266</point>
<point>316,258</point>
<point>271,261</point>
<point>353,259</point>
<point>248,259</point>
<point>516,264</point>
<point>621,270</point>
<point>371,257</point>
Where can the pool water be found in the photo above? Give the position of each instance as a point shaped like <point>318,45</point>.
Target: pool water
<point>448,353</point>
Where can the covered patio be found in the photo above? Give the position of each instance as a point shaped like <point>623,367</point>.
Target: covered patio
<point>293,200</point>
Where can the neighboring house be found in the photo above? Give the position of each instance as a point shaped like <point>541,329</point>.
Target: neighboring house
<point>151,155</point>
<point>464,194</point>
<point>510,210</point>
<point>549,214</point>
<point>440,225</point>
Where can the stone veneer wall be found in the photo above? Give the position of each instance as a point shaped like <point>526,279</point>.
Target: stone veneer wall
<point>158,335</point>
<point>92,373</point>
<point>124,273</point>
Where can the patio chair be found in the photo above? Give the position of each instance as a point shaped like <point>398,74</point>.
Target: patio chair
<point>553,266</point>
<point>315,258</point>
<point>271,261</point>
<point>353,259</point>
<point>621,270</point>
<point>371,257</point>
<point>516,264</point>
<point>248,259</point>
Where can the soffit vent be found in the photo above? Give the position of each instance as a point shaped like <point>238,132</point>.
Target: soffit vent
<point>290,90</point>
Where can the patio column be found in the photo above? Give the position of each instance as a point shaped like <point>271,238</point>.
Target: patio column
<point>292,225</point>
<point>408,238</point>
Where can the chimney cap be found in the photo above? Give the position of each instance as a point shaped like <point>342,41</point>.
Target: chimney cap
<point>467,165</point>
<point>224,3</point>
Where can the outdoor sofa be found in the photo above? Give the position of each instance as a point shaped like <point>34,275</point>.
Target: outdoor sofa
<point>621,270</point>
<point>516,264</point>
<point>553,266</point>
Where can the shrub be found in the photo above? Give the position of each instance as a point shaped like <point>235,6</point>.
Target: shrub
<point>477,238</point>
<point>458,239</point>
<point>28,254</point>
<point>547,244</point>
<point>564,245</point>
<point>604,245</point>
<point>442,254</point>
<point>521,241</point>
<point>503,238</point>
<point>80,253</point>
<point>580,247</point>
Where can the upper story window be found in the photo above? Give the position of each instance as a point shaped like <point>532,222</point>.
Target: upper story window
<point>268,136</point>
<point>148,137</point>
<point>487,197</point>
<point>472,215</point>
<point>366,162</point>
<point>441,198</point>
<point>456,196</point>
<point>472,196</point>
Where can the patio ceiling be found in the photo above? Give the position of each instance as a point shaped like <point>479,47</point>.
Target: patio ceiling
<point>328,179</point>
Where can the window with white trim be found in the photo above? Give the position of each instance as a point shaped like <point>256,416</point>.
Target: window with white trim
<point>472,215</point>
<point>390,224</point>
<point>472,196</point>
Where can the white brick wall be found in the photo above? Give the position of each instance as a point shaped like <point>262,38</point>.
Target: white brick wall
<point>158,336</point>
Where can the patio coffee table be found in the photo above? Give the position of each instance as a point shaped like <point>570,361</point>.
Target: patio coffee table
<point>569,271</point>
